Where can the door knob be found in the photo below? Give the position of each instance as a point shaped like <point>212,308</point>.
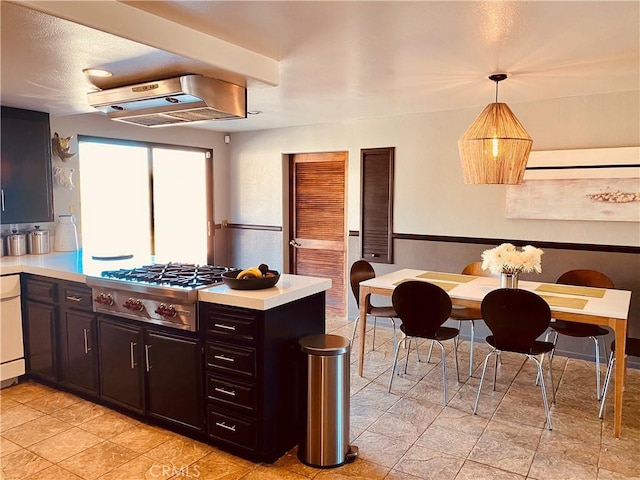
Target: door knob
<point>293,243</point>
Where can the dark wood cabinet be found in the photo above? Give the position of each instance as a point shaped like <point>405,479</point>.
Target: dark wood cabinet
<point>77,338</point>
<point>40,344</point>
<point>26,194</point>
<point>173,366</point>
<point>252,361</point>
<point>78,362</point>
<point>152,372</point>
<point>39,322</point>
<point>121,363</point>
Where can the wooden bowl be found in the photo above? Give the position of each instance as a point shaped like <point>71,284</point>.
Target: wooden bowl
<point>230,278</point>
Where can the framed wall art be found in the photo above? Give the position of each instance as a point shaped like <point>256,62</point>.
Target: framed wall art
<point>601,184</point>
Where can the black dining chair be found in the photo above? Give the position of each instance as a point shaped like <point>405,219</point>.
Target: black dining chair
<point>632,348</point>
<point>516,318</point>
<point>585,278</point>
<point>422,308</point>
<point>469,314</point>
<point>361,271</point>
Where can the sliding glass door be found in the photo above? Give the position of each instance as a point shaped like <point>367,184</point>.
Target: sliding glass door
<point>145,200</point>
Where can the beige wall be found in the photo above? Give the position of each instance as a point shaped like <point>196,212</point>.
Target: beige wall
<point>430,197</point>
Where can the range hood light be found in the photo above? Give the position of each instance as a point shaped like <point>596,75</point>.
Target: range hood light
<point>97,72</point>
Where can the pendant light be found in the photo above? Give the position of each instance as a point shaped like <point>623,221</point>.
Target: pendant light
<point>495,148</point>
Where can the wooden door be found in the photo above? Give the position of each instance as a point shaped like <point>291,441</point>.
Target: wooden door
<point>318,222</point>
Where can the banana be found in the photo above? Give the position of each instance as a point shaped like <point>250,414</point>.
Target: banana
<point>252,272</point>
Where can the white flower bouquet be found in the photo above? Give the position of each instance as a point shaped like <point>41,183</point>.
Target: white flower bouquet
<point>506,258</point>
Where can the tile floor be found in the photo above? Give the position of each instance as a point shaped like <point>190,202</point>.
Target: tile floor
<point>406,434</point>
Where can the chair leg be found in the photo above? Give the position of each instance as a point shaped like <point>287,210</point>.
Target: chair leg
<point>393,323</point>
<point>495,369</point>
<point>607,379</point>
<point>393,368</point>
<point>471,341</point>
<point>546,339</point>
<point>406,360</point>
<point>443,356</point>
<point>484,370</point>
<point>544,390</point>
<point>455,356</point>
<point>597,344</point>
<point>430,350</point>
<point>355,329</point>
<point>373,342</point>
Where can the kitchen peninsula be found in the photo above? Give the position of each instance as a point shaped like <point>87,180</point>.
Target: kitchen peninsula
<point>231,381</point>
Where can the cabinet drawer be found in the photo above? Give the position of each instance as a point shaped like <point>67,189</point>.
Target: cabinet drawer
<point>41,290</point>
<point>231,394</point>
<point>76,296</point>
<point>231,322</point>
<point>231,359</point>
<point>231,429</point>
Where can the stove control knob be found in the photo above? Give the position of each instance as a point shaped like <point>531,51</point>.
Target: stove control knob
<point>134,304</point>
<point>103,299</point>
<point>166,310</point>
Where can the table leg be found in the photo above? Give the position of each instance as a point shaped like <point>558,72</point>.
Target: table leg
<point>364,295</point>
<point>621,340</point>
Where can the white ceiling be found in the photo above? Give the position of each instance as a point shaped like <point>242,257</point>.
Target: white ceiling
<point>327,61</point>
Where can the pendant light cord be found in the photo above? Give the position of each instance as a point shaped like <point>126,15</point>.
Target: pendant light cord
<point>497,90</point>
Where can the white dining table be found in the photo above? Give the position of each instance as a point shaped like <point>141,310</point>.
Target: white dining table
<point>599,306</point>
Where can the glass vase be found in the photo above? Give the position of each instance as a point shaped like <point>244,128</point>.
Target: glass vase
<point>509,280</point>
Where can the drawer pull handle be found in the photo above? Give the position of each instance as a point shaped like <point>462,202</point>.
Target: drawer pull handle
<point>73,298</point>
<point>146,357</point>
<point>85,334</point>
<point>231,393</point>
<point>132,346</point>
<point>231,428</point>
<point>225,358</point>
<point>225,327</point>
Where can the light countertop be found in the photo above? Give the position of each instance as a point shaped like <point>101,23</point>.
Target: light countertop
<point>76,267</point>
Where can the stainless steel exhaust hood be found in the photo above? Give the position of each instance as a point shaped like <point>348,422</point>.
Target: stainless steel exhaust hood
<point>173,101</point>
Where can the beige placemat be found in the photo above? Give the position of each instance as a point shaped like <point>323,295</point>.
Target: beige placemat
<point>448,277</point>
<point>572,290</point>
<point>577,303</point>
<point>446,286</point>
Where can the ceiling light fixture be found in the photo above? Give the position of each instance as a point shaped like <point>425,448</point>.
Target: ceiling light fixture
<point>96,72</point>
<point>495,148</point>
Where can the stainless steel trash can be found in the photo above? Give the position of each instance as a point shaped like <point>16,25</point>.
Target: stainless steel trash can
<point>325,402</point>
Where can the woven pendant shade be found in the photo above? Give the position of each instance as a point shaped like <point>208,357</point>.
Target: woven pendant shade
<point>495,148</point>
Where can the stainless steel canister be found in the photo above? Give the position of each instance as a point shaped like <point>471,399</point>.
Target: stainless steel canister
<point>16,244</point>
<point>38,241</point>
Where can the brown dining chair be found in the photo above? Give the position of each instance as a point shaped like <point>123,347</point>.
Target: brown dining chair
<point>516,318</point>
<point>587,278</point>
<point>470,314</point>
<point>361,271</point>
<point>422,308</point>
<point>632,348</point>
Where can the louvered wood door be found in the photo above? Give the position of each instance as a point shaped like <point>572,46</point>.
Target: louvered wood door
<point>318,222</point>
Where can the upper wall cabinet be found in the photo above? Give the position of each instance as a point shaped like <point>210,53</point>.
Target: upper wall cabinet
<point>25,171</point>
<point>376,229</point>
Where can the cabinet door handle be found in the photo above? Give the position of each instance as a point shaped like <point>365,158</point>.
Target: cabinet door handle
<point>231,393</point>
<point>85,334</point>
<point>225,358</point>
<point>132,351</point>
<point>2,199</point>
<point>231,428</point>
<point>73,298</point>
<point>146,357</point>
<point>225,327</point>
